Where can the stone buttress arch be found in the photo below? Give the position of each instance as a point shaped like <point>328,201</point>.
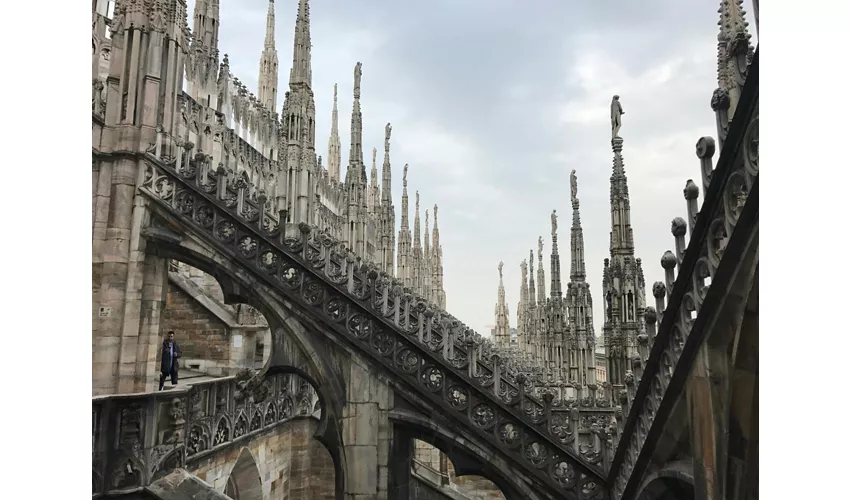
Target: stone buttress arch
<point>467,457</point>
<point>238,286</point>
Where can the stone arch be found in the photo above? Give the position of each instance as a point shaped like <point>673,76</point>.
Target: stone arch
<point>244,482</point>
<point>467,457</point>
<point>432,465</point>
<point>674,481</point>
<point>217,339</point>
<point>327,430</point>
<point>238,286</point>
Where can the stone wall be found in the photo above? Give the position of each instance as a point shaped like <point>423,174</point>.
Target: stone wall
<point>290,463</point>
<point>203,338</point>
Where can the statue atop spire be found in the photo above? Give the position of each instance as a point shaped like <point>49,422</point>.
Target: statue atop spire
<point>388,130</point>
<point>540,248</point>
<point>358,72</point>
<point>554,223</point>
<point>404,176</point>
<point>501,264</point>
<point>573,186</point>
<point>616,116</point>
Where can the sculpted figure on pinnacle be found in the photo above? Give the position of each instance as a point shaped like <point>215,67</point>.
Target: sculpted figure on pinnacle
<point>388,130</point>
<point>357,74</point>
<point>554,223</point>
<point>616,116</point>
<point>540,246</point>
<point>501,264</point>
<point>573,185</point>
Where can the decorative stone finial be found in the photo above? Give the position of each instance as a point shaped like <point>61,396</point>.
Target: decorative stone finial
<point>678,227</point>
<point>705,147</point>
<point>650,315</point>
<point>668,260</point>
<point>691,190</point>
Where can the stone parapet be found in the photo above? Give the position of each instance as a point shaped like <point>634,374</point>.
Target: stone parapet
<point>138,438</point>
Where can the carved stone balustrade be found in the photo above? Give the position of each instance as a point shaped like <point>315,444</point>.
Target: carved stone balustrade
<point>137,438</point>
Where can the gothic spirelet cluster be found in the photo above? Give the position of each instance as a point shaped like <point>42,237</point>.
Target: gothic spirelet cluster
<point>219,117</point>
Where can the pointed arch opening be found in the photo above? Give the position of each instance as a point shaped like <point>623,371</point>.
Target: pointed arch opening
<point>244,482</point>
<point>431,468</point>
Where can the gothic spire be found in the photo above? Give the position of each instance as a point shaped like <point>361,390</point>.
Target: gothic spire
<point>577,268</point>
<point>503,325</point>
<point>531,286</point>
<point>435,235</point>
<point>269,43</point>
<point>302,70</point>
<point>268,65</point>
<point>386,174</point>
<point>405,225</point>
<point>555,260</point>
<point>622,239</point>
<point>541,274</point>
<point>334,147</point>
<point>417,240</point>
<point>205,27</point>
<point>374,189</point>
<point>522,306</point>
<point>437,265</point>
<point>356,170</point>
<point>426,239</point>
<point>403,263</point>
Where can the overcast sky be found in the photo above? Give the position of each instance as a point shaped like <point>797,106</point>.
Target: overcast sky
<point>493,104</point>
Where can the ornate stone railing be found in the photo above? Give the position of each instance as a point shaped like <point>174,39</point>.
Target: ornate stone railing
<point>428,349</point>
<point>137,438</point>
<point>658,368</point>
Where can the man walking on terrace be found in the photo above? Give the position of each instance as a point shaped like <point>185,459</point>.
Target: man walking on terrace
<point>170,355</point>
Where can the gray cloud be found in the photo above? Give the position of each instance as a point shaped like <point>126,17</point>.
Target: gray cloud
<point>493,103</point>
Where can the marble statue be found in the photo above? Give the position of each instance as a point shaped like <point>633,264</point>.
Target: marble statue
<point>501,264</point>
<point>573,185</point>
<point>616,116</point>
<point>357,74</point>
<point>554,223</point>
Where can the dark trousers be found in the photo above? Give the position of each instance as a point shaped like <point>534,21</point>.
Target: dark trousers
<point>163,376</point>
